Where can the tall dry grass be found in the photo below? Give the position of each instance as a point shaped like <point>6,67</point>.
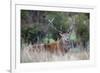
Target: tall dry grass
<point>30,54</point>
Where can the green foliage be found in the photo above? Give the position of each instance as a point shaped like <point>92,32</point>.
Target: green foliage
<point>83,28</point>
<point>39,30</point>
<point>73,36</point>
<point>48,40</point>
<point>60,21</point>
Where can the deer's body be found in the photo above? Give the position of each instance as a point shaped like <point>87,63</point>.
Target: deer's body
<point>54,48</point>
<point>58,47</point>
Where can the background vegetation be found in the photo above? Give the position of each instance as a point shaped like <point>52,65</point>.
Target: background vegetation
<point>36,26</point>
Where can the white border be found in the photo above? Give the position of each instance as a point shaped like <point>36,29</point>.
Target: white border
<point>17,67</point>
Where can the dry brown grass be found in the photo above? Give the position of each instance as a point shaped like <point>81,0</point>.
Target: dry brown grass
<point>28,55</point>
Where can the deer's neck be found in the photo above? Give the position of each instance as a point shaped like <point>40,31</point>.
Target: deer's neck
<point>61,44</point>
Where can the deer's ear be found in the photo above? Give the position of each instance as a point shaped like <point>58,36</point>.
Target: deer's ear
<point>60,34</point>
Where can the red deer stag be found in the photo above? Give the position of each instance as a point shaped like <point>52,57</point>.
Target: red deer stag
<point>59,47</point>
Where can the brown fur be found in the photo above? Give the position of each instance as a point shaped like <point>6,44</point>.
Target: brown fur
<point>54,48</point>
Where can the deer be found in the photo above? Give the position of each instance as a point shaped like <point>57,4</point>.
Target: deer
<point>61,46</point>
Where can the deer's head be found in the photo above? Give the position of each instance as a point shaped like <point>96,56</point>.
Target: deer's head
<point>65,37</point>
<point>64,41</point>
